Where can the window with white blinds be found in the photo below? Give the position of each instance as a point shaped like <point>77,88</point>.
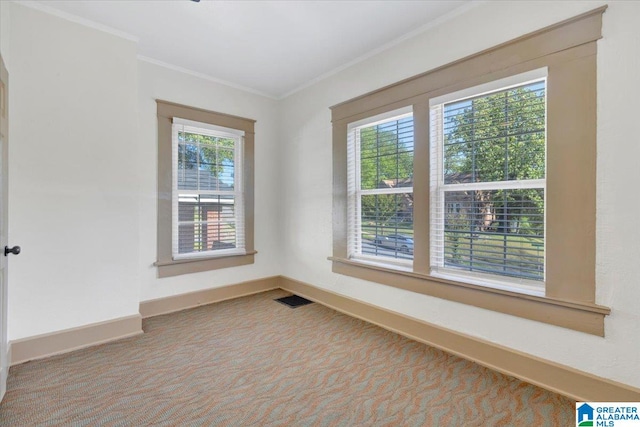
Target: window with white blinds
<point>502,193</point>
<point>207,194</point>
<point>380,187</point>
<point>488,183</point>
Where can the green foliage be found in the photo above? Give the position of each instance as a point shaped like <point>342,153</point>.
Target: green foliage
<point>386,154</point>
<point>205,152</point>
<point>383,209</point>
<point>496,138</point>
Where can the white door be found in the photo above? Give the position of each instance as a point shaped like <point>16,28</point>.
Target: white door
<point>4,145</point>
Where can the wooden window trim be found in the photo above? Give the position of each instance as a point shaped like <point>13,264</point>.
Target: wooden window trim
<point>167,266</point>
<point>568,49</point>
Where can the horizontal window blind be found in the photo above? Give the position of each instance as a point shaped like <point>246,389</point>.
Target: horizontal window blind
<point>207,196</point>
<point>488,184</point>
<point>380,187</point>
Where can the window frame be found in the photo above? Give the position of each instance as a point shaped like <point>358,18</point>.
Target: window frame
<point>569,51</point>
<point>166,263</point>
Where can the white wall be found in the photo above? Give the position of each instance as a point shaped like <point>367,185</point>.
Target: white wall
<point>306,183</point>
<point>157,82</point>
<point>83,175</point>
<point>74,177</point>
<point>4,28</point>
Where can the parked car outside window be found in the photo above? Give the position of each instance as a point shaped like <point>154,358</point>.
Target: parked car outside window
<point>399,242</point>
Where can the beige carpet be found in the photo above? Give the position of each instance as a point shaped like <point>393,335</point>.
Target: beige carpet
<point>255,362</point>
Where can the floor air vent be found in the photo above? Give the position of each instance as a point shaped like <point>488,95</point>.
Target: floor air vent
<point>293,301</point>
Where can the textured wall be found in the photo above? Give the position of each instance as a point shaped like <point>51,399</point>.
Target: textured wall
<point>4,28</point>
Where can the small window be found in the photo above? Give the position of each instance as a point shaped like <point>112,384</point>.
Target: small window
<point>488,184</point>
<point>381,188</point>
<point>205,190</point>
<point>208,195</point>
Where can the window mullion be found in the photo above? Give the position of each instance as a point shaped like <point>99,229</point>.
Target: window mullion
<point>421,200</point>
<point>395,190</point>
<point>495,185</point>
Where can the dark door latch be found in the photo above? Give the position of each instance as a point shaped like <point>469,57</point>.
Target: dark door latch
<point>14,250</point>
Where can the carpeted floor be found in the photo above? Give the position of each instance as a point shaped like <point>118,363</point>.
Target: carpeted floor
<point>255,362</point>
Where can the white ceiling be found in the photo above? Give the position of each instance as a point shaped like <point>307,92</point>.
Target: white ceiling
<point>270,47</point>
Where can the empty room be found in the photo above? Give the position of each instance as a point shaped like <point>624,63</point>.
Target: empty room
<point>331,213</point>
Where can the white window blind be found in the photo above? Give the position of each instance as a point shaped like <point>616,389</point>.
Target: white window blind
<point>207,193</point>
<point>380,188</point>
<point>488,184</point>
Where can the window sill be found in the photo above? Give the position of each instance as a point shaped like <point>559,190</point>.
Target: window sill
<point>177,267</point>
<point>579,316</point>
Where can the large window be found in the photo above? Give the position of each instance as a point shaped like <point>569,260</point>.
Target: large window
<point>205,190</point>
<point>381,188</point>
<point>488,184</point>
<point>498,208</point>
